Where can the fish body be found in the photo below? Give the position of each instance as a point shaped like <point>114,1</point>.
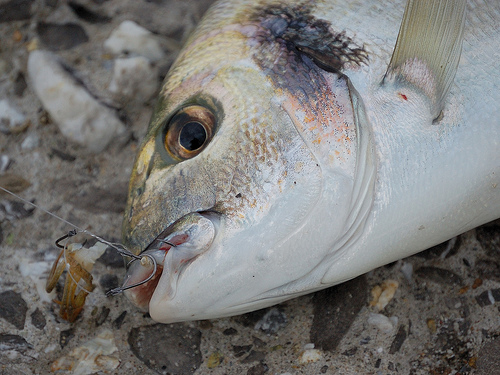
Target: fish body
<point>296,145</point>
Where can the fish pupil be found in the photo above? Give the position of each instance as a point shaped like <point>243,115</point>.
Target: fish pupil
<point>192,136</point>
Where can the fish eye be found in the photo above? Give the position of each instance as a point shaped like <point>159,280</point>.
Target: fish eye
<point>189,131</point>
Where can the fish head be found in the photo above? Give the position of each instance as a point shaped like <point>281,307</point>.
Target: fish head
<point>244,184</point>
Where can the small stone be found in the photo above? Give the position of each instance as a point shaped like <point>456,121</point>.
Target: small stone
<point>254,356</point>
<point>259,369</point>
<point>399,339</point>
<point>488,269</point>
<point>20,84</point>
<point>439,275</point>
<point>230,331</point>
<point>66,336</point>
<point>241,350</point>
<point>477,283</point>
<point>134,80</point>
<point>86,14</point>
<point>129,37</point>
<point>173,348</point>
<point>13,308</point>
<point>62,155</point>
<point>5,162</point>
<point>31,142</point>
<point>215,359</point>
<point>488,297</point>
<point>335,309</point>
<point>79,116</point>
<point>488,237</point>
<point>117,323</point>
<point>251,318</point>
<point>488,361</point>
<point>15,10</point>
<point>38,319</point>
<point>407,271</point>
<point>205,324</point>
<point>382,322</point>
<point>431,324</point>
<point>102,316</point>
<point>10,117</point>
<point>350,352</point>
<point>13,342</point>
<point>310,356</point>
<point>57,37</point>
<point>108,282</point>
<point>272,321</point>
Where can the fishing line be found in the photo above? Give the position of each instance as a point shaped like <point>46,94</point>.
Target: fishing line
<point>122,250</point>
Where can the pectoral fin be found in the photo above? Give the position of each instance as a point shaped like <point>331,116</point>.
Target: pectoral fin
<point>428,47</point>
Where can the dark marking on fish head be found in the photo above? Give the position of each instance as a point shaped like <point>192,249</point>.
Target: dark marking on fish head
<point>296,29</point>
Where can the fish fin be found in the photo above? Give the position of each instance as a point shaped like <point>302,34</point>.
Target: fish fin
<point>428,47</point>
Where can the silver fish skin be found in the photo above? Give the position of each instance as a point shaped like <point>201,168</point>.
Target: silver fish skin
<point>299,144</point>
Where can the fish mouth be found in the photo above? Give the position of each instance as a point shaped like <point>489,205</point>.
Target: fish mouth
<point>164,260</point>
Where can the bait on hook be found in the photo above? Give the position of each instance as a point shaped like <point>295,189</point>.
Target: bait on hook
<point>78,261</point>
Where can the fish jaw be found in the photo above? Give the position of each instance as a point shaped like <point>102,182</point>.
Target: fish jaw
<point>167,257</point>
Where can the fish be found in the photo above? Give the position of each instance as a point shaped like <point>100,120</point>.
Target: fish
<point>298,144</point>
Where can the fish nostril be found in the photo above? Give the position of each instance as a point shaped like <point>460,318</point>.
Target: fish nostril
<point>139,191</point>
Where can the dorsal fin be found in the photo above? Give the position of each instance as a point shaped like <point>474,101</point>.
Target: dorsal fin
<point>428,47</point>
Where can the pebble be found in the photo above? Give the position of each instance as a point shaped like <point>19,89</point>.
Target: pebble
<point>439,275</point>
<point>399,339</point>
<point>487,235</point>
<point>214,360</point>
<point>310,356</point>
<point>135,79</point>
<point>5,162</point>
<point>13,342</point>
<point>488,297</point>
<point>259,369</point>
<point>86,14</point>
<point>37,271</point>
<point>382,322</point>
<point>241,350</point>
<point>13,308</point>
<point>66,336</point>
<point>173,348</point>
<point>15,10</point>
<point>78,114</point>
<point>31,142</point>
<point>38,319</point>
<point>335,309</point>
<point>129,37</point>
<point>10,117</point>
<point>272,321</point>
<point>96,355</point>
<point>58,37</point>
<point>117,323</point>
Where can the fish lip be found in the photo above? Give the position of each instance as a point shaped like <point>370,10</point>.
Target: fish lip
<point>164,265</point>
<point>210,214</point>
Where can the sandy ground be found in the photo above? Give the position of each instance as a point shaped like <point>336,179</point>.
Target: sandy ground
<point>445,316</point>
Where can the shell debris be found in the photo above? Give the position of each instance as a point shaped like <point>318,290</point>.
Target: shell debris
<point>382,294</point>
<point>94,356</point>
<point>310,355</point>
